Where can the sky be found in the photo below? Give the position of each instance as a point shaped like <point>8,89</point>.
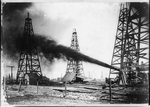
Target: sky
<point>96,26</point>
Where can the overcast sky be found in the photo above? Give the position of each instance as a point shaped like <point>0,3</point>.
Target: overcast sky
<point>95,23</point>
<point>96,26</point>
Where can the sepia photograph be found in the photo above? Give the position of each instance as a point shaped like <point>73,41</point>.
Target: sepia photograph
<point>75,53</point>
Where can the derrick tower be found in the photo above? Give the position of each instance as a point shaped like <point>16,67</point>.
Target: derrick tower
<point>132,42</point>
<point>72,65</point>
<point>29,59</point>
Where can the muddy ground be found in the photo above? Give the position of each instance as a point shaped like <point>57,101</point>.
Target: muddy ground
<point>77,94</point>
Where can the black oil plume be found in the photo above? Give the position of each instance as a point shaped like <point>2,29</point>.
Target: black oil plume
<point>50,48</point>
<point>13,16</point>
<point>13,41</point>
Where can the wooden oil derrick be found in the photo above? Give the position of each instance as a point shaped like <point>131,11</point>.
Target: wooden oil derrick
<point>29,63</point>
<point>131,45</point>
<point>132,39</point>
<point>72,65</point>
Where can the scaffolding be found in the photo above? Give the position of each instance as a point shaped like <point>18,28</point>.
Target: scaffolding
<point>29,60</point>
<point>132,41</point>
<point>72,65</point>
<point>131,48</point>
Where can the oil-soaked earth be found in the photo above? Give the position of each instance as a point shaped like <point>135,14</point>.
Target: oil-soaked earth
<point>77,94</point>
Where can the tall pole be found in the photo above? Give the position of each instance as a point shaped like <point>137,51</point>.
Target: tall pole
<point>65,89</point>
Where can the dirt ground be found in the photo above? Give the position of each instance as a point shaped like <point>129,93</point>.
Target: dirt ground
<point>77,94</point>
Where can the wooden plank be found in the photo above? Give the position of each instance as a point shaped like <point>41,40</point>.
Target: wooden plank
<point>74,90</point>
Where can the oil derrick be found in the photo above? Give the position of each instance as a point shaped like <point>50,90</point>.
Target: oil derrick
<point>72,65</point>
<point>29,59</point>
<point>132,42</point>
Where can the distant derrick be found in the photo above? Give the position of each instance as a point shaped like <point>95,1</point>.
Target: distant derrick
<point>29,59</point>
<point>75,66</point>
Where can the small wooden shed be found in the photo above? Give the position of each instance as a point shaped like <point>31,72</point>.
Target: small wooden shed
<point>31,78</point>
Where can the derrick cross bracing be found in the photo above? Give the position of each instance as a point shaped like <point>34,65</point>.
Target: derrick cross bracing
<point>72,65</point>
<point>132,42</point>
<point>29,59</point>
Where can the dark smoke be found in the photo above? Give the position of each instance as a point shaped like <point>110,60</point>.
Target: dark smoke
<point>13,16</point>
<point>13,41</point>
<point>50,48</point>
<point>13,7</point>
